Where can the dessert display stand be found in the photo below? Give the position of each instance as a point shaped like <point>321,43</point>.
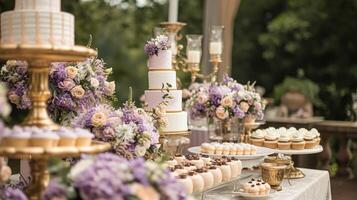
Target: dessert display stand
<point>248,161</point>
<point>292,172</point>
<point>39,59</point>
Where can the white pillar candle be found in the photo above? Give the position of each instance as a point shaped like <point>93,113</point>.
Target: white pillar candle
<point>193,56</point>
<point>173,10</point>
<point>215,48</point>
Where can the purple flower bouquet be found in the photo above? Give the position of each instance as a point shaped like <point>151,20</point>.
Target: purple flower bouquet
<point>75,86</point>
<point>130,130</point>
<point>111,177</point>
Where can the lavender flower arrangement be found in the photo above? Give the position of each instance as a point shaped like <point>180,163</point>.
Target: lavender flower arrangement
<point>153,46</point>
<point>75,86</point>
<point>11,193</point>
<point>226,100</point>
<point>130,130</point>
<point>108,176</point>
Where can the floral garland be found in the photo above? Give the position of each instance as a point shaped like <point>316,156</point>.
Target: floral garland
<point>111,177</point>
<point>75,86</point>
<point>130,130</point>
<point>225,100</point>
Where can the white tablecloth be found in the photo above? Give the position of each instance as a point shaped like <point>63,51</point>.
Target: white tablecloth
<point>315,186</point>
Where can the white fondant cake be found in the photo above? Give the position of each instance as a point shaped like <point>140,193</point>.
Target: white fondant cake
<point>154,98</point>
<point>43,5</point>
<point>161,73</point>
<point>176,121</point>
<point>161,61</point>
<point>157,78</point>
<point>37,23</point>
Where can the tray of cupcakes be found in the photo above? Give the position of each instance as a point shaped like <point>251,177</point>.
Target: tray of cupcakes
<point>242,151</point>
<point>33,141</point>
<point>254,189</point>
<point>199,174</point>
<point>288,141</point>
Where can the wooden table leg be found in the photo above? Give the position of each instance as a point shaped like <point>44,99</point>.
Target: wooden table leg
<point>344,156</point>
<point>325,156</point>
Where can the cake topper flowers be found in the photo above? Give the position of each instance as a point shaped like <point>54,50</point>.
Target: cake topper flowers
<point>155,45</point>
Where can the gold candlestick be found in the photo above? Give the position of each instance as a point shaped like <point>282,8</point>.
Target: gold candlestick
<point>172,28</point>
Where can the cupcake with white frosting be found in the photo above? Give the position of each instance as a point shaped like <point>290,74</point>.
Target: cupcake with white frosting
<point>257,138</point>
<point>17,137</point>
<point>84,137</point>
<point>66,137</point>
<point>284,141</point>
<point>297,141</point>
<point>271,140</point>
<point>309,138</point>
<point>317,136</point>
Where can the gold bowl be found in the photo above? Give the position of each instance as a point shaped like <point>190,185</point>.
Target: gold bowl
<point>273,174</point>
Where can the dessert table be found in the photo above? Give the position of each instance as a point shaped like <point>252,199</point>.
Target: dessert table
<point>316,185</point>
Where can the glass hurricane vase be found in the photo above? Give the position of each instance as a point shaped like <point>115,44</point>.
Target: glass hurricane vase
<point>227,130</point>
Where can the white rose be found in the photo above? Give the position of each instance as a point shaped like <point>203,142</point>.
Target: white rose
<point>77,92</point>
<point>140,151</point>
<point>146,143</point>
<point>94,83</point>
<point>227,101</point>
<point>221,113</point>
<point>71,72</point>
<point>79,168</point>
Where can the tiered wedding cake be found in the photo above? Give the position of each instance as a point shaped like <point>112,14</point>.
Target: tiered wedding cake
<point>161,73</point>
<point>37,23</point>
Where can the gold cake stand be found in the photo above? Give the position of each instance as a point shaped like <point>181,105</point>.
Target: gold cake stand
<point>39,60</point>
<point>39,156</point>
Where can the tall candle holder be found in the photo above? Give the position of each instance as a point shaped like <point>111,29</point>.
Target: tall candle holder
<point>172,29</point>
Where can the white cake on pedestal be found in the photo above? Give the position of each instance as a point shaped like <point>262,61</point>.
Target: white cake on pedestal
<point>161,73</point>
<point>37,23</point>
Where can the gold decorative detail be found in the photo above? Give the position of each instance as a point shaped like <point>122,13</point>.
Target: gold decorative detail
<point>273,174</point>
<point>290,172</point>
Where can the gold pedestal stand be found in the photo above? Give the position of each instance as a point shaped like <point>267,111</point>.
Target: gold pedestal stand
<point>248,128</point>
<point>39,59</point>
<point>174,142</point>
<point>39,156</point>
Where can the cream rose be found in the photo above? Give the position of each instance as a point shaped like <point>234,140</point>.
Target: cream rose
<point>202,98</point>
<point>94,82</point>
<point>140,151</point>
<point>77,92</point>
<point>5,173</point>
<point>98,119</point>
<point>244,106</point>
<point>14,98</point>
<point>227,101</point>
<point>221,113</point>
<point>71,72</point>
<point>110,86</point>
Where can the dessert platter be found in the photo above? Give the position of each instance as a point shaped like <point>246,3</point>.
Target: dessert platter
<point>240,151</point>
<point>254,189</point>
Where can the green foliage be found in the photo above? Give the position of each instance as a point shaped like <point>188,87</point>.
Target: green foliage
<point>308,88</point>
<point>275,38</point>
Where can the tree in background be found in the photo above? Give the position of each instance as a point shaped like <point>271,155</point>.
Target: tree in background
<point>276,38</point>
